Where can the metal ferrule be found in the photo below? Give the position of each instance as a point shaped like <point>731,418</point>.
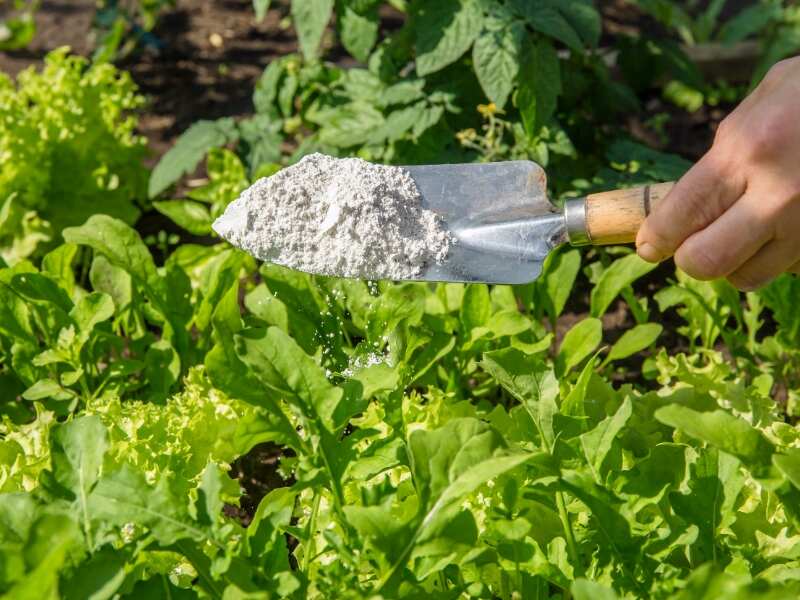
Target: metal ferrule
<point>575,222</point>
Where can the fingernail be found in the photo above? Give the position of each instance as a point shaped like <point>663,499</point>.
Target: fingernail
<point>649,253</point>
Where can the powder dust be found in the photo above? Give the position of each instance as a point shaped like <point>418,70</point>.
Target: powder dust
<point>338,216</point>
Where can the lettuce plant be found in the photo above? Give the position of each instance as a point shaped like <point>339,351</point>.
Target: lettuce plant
<point>69,150</point>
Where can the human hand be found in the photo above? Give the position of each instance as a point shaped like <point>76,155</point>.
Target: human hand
<point>736,213</point>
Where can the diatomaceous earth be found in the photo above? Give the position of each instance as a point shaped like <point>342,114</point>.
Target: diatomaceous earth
<point>338,216</point>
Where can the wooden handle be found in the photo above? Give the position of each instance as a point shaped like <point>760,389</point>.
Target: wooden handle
<point>615,217</point>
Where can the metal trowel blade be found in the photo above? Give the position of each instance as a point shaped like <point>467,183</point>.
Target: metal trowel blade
<point>499,215</point>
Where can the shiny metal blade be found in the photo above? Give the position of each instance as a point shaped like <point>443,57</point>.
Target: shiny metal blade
<point>499,215</point>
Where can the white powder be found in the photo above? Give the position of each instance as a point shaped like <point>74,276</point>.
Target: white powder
<point>344,217</point>
<point>363,361</point>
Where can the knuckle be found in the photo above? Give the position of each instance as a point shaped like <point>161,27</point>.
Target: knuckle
<point>769,134</point>
<point>724,129</point>
<point>779,70</point>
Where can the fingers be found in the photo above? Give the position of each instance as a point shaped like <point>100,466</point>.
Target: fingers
<point>697,200</point>
<point>775,258</point>
<point>729,242</point>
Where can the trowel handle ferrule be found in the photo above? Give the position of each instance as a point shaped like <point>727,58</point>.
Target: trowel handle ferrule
<point>611,217</point>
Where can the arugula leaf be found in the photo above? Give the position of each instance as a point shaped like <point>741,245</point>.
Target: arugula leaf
<point>192,216</point>
<point>634,340</point>
<point>447,464</point>
<point>619,275</point>
<point>597,443</point>
<point>77,450</point>
<point>722,430</point>
<point>120,244</point>
<point>531,381</point>
<point>578,343</point>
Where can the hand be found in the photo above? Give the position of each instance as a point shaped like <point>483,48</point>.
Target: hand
<point>736,213</point>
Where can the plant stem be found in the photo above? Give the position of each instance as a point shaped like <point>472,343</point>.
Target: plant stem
<point>312,527</point>
<point>572,546</point>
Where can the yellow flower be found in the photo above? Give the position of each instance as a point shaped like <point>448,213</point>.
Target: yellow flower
<point>488,110</point>
<point>466,136</point>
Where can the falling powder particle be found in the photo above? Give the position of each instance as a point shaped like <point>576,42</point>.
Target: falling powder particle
<point>344,217</point>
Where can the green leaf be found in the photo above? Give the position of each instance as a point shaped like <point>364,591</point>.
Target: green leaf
<point>192,216</point>
<point>529,380</point>
<point>92,309</point>
<point>584,18</point>
<point>399,304</point>
<point>119,243</point>
<point>664,467</point>
<point>232,376</point>
<point>548,17</point>
<point>574,403</point>
<point>584,589</point>
<point>607,519</point>
<point>124,496</point>
<point>99,578</point>
<point>597,443</point>
<point>189,150</point>
<point>111,280</point>
<point>281,365</point>
<point>77,449</point>
<point>39,288</point>
<point>52,541</point>
<point>622,273</point>
<point>722,430</point>
<point>445,31</point>
<point>788,463</point>
<point>750,21</point>
<point>560,271</point>
<point>539,86</point>
<point>447,464</point>
<point>43,389</point>
<point>359,31</point>
<point>496,57</point>
<point>454,460</point>
<point>398,123</point>
<point>261,7</point>
<point>579,342</point>
<point>162,367</point>
<point>476,308</point>
<point>18,32</point>
<point>221,275</point>
<point>353,124</point>
<point>310,18</point>
<point>58,264</point>
<point>634,340</point>
<point>215,487</point>
<point>715,483</point>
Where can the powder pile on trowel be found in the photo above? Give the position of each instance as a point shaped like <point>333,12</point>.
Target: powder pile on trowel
<point>338,216</point>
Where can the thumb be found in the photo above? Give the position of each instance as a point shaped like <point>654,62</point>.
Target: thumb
<point>696,201</point>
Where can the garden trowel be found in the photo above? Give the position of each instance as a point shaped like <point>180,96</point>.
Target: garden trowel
<point>504,225</point>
